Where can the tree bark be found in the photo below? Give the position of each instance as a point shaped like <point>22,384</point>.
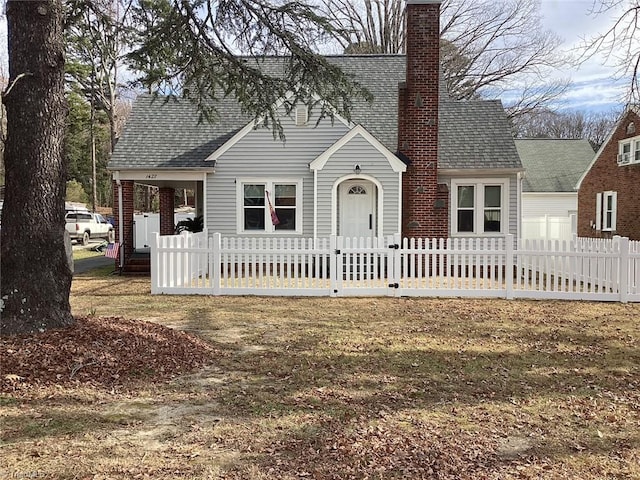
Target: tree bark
<point>35,277</point>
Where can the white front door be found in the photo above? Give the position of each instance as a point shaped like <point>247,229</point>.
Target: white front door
<point>357,209</point>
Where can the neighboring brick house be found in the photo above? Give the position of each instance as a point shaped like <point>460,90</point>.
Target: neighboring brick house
<point>609,191</point>
<point>413,161</point>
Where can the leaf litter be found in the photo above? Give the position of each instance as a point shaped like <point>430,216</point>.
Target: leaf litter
<point>101,352</point>
<point>355,389</point>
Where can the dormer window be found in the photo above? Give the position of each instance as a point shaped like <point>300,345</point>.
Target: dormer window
<point>302,116</point>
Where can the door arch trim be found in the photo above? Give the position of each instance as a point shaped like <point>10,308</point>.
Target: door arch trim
<point>379,204</point>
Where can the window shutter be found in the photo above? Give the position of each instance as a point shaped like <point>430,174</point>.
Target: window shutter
<point>598,211</point>
<point>614,210</point>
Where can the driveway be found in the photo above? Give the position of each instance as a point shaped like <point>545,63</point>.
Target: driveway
<point>86,264</point>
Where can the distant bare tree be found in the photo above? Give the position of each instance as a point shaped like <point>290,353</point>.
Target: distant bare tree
<point>97,44</point>
<point>593,126</point>
<point>488,46</point>
<point>122,110</point>
<point>368,26</point>
<point>620,43</point>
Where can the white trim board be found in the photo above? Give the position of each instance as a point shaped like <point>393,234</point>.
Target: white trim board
<point>396,164</point>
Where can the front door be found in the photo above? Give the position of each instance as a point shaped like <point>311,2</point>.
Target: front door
<point>357,209</point>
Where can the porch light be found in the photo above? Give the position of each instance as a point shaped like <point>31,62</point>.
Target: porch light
<point>357,168</point>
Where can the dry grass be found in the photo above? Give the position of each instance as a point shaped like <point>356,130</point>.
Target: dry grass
<point>350,388</point>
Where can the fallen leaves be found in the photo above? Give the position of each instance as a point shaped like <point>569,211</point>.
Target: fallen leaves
<point>329,389</point>
<point>99,352</point>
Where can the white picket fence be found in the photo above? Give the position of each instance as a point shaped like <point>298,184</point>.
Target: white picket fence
<point>582,269</point>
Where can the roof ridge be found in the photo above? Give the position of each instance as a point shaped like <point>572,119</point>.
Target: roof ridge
<point>550,139</point>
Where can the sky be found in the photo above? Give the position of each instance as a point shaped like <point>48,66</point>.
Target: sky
<point>592,89</point>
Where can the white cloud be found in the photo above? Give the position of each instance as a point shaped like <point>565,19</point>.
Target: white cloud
<point>595,83</point>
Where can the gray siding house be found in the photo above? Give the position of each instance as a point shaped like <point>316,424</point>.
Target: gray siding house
<point>364,178</point>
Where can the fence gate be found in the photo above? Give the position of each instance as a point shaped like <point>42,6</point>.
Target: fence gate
<point>363,266</point>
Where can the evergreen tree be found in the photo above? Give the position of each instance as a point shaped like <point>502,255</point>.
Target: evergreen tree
<point>36,278</point>
<point>189,45</point>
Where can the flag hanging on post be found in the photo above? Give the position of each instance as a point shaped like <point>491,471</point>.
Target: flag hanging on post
<point>112,250</point>
<point>274,217</point>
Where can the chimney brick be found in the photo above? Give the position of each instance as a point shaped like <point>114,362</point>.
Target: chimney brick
<point>127,216</point>
<point>167,206</point>
<point>418,123</point>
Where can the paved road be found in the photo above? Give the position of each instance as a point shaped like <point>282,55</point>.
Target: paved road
<point>86,264</point>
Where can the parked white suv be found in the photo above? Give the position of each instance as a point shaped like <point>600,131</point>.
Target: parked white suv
<point>83,226</point>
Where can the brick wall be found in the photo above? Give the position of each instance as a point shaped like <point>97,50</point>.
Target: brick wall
<point>423,213</point>
<point>606,175</point>
<point>167,206</point>
<point>127,210</point>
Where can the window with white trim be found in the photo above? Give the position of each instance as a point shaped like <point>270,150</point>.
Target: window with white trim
<point>606,211</point>
<point>466,208</point>
<point>479,207</point>
<point>268,206</point>
<point>629,151</point>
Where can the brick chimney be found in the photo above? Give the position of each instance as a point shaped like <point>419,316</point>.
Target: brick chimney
<point>425,205</point>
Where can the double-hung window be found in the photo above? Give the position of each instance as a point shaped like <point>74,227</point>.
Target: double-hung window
<point>624,156</point>
<point>492,208</point>
<point>480,207</point>
<point>606,211</point>
<point>629,151</point>
<point>466,208</point>
<point>268,206</point>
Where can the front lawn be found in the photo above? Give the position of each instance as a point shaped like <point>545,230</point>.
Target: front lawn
<point>376,388</point>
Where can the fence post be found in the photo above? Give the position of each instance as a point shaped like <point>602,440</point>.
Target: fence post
<point>396,260</point>
<point>509,265</point>
<point>333,264</point>
<point>215,257</point>
<point>623,269</point>
<point>155,264</point>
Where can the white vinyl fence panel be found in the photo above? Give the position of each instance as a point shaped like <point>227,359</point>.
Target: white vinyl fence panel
<point>146,225</point>
<point>633,281</point>
<point>548,227</point>
<point>585,269</point>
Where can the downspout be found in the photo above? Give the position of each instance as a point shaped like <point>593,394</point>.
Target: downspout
<point>520,179</point>
<point>400,199</point>
<point>116,177</point>
<point>204,201</point>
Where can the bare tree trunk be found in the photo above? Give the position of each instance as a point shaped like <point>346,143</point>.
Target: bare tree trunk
<point>36,278</point>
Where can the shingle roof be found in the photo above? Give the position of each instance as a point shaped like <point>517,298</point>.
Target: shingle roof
<point>163,133</point>
<point>553,165</point>
<point>475,134</point>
